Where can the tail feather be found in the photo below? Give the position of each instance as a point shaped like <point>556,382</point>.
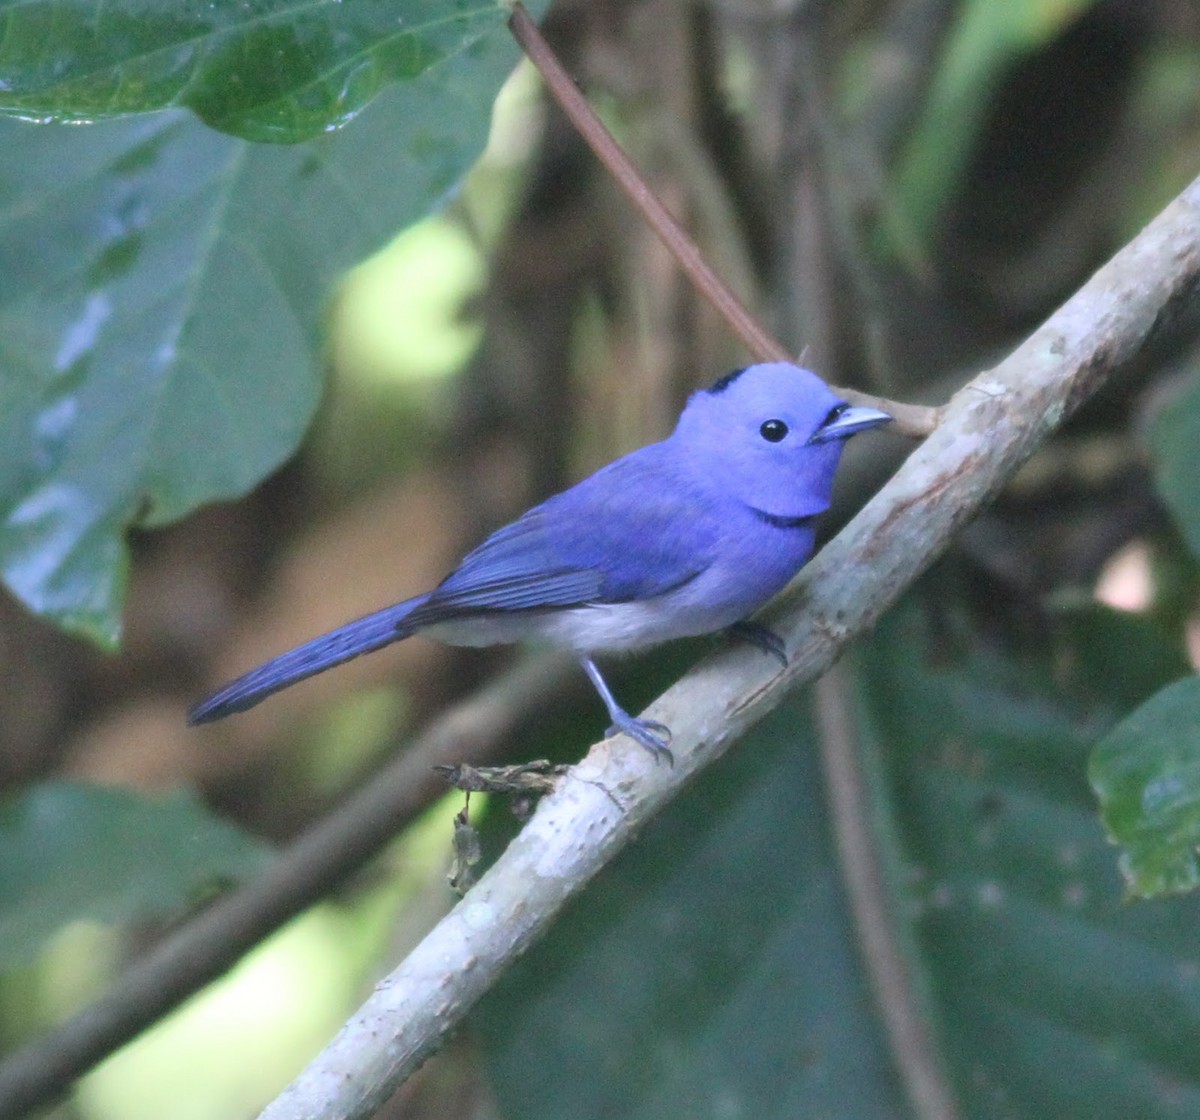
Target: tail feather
<point>371,632</point>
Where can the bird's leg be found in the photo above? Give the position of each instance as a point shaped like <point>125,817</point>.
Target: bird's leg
<point>649,733</point>
<point>761,638</point>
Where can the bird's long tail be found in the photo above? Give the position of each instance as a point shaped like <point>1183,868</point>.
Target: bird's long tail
<point>371,632</point>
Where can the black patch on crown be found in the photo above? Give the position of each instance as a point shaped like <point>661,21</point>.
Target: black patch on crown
<point>721,384</point>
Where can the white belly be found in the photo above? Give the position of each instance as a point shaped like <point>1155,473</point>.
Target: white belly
<point>602,626</point>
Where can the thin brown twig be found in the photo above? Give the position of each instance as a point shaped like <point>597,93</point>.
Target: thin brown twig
<point>864,875</point>
<point>757,339</point>
<point>910,419</point>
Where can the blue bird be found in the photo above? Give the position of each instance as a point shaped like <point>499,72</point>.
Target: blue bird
<point>683,537</point>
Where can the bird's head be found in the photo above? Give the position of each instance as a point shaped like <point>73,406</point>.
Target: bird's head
<point>770,436</point>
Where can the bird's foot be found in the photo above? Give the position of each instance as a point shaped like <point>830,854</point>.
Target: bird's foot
<point>761,637</point>
<point>651,734</point>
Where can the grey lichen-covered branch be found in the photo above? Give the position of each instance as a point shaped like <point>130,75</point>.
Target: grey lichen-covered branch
<point>988,430</point>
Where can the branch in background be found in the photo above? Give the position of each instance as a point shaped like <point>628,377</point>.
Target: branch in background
<point>865,876</point>
<point>915,420</point>
<point>212,942</point>
<point>988,430</point>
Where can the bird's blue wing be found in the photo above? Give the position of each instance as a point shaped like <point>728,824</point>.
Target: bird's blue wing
<point>483,590</point>
<point>631,531</point>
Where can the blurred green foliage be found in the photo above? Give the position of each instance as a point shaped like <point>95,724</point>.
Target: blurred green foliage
<point>71,851</point>
<point>161,347</point>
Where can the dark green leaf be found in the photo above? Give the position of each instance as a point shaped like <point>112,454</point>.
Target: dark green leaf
<point>1176,442</point>
<point>160,296</point>
<point>70,852</point>
<point>1146,773</point>
<point>274,70</point>
<point>1058,999</point>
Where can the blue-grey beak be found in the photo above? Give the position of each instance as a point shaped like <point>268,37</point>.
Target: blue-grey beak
<point>849,421</point>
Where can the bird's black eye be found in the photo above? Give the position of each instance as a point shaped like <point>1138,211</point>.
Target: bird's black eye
<point>773,430</point>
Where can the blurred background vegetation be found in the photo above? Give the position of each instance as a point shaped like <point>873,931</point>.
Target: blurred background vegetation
<point>903,189</point>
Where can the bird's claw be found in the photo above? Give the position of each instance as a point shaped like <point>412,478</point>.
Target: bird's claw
<point>762,638</point>
<point>649,733</point>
